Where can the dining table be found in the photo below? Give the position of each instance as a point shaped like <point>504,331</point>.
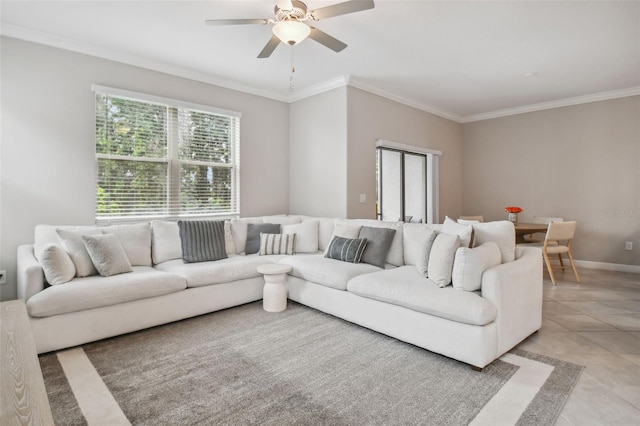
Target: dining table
<point>523,229</point>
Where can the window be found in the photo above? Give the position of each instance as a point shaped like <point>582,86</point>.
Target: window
<point>407,183</point>
<point>160,158</point>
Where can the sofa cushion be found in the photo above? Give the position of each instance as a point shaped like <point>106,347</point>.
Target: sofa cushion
<point>346,249</point>
<point>277,244</point>
<point>464,232</point>
<point>502,232</point>
<point>165,241</point>
<point>306,235</point>
<point>395,255</point>
<point>239,231</point>
<point>327,272</point>
<point>441,257</point>
<point>253,235</point>
<point>57,265</point>
<point>422,263</point>
<point>378,244</point>
<point>135,239</point>
<point>470,264</point>
<point>72,243</point>
<point>107,254</point>
<point>405,286</point>
<point>202,240</point>
<point>414,238</point>
<point>219,271</point>
<point>94,292</point>
<point>325,230</point>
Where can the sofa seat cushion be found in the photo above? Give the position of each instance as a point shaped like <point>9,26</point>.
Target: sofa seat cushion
<point>405,286</point>
<point>218,271</point>
<point>94,292</point>
<point>327,272</point>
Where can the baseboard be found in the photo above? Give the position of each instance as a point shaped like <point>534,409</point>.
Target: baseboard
<point>619,267</point>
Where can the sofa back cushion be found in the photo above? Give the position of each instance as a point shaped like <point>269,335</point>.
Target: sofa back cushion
<point>414,238</point>
<point>306,235</point>
<point>502,232</point>
<point>135,240</point>
<point>395,255</point>
<point>325,229</point>
<point>165,241</point>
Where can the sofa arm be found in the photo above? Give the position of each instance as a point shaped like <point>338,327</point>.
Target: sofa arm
<point>30,273</point>
<point>515,288</point>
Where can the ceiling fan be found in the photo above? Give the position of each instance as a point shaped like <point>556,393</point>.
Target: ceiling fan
<point>290,27</point>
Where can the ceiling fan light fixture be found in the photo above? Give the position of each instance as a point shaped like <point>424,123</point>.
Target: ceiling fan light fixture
<point>291,32</point>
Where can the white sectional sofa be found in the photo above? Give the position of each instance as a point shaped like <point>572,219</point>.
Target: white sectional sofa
<point>475,326</point>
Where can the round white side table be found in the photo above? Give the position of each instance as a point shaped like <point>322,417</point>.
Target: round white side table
<point>274,295</point>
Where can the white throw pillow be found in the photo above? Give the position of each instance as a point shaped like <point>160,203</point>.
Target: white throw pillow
<point>454,228</point>
<point>165,241</point>
<point>72,243</point>
<point>306,236</point>
<point>136,241</point>
<point>422,264</point>
<point>343,230</point>
<point>239,231</point>
<point>441,258</point>
<point>470,264</point>
<point>229,243</point>
<point>501,232</point>
<point>107,254</point>
<point>414,237</point>
<point>57,265</point>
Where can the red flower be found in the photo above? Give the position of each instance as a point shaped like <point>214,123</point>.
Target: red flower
<point>513,209</point>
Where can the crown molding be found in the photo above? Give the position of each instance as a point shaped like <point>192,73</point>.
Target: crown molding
<point>28,34</point>
<point>602,96</point>
<point>316,89</point>
<point>31,35</point>
<point>358,84</point>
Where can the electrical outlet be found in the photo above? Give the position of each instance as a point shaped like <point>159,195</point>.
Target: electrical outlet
<point>628,245</point>
<point>3,277</point>
<point>363,198</point>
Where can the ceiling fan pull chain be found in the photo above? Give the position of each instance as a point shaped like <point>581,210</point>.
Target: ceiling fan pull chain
<point>293,70</point>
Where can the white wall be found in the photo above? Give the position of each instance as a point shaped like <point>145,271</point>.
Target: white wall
<point>580,162</point>
<point>318,155</point>
<point>47,170</point>
<point>371,117</point>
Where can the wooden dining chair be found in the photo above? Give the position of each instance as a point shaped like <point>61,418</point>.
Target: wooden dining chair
<point>557,233</point>
<point>472,218</point>
<point>538,237</point>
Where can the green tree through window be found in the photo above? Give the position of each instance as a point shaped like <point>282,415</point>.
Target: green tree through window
<point>159,160</point>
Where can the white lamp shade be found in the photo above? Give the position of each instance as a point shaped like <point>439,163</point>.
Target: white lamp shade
<point>291,32</point>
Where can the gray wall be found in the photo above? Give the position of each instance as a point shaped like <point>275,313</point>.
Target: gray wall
<point>318,155</point>
<point>580,162</point>
<point>371,117</point>
<point>47,152</point>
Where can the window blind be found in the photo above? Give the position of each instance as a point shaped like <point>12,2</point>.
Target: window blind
<point>158,160</point>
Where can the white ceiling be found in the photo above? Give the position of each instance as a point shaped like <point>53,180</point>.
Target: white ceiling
<point>460,59</point>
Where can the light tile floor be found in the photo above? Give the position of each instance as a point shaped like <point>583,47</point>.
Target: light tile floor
<point>595,324</point>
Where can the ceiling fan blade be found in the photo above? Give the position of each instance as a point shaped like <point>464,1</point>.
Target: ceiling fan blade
<point>269,48</point>
<point>326,40</point>
<point>342,9</point>
<point>236,21</point>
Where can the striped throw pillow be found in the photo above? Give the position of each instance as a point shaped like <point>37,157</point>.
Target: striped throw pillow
<point>346,249</point>
<point>202,240</point>
<point>277,244</point>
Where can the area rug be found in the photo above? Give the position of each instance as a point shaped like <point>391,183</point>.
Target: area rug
<point>247,366</point>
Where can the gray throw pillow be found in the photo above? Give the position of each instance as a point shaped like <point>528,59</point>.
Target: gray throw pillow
<point>202,240</point>
<point>346,249</point>
<point>253,235</point>
<point>378,243</point>
<point>107,254</point>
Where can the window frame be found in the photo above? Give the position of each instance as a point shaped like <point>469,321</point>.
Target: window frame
<point>173,208</point>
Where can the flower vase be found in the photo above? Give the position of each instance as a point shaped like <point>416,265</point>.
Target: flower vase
<point>513,218</point>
